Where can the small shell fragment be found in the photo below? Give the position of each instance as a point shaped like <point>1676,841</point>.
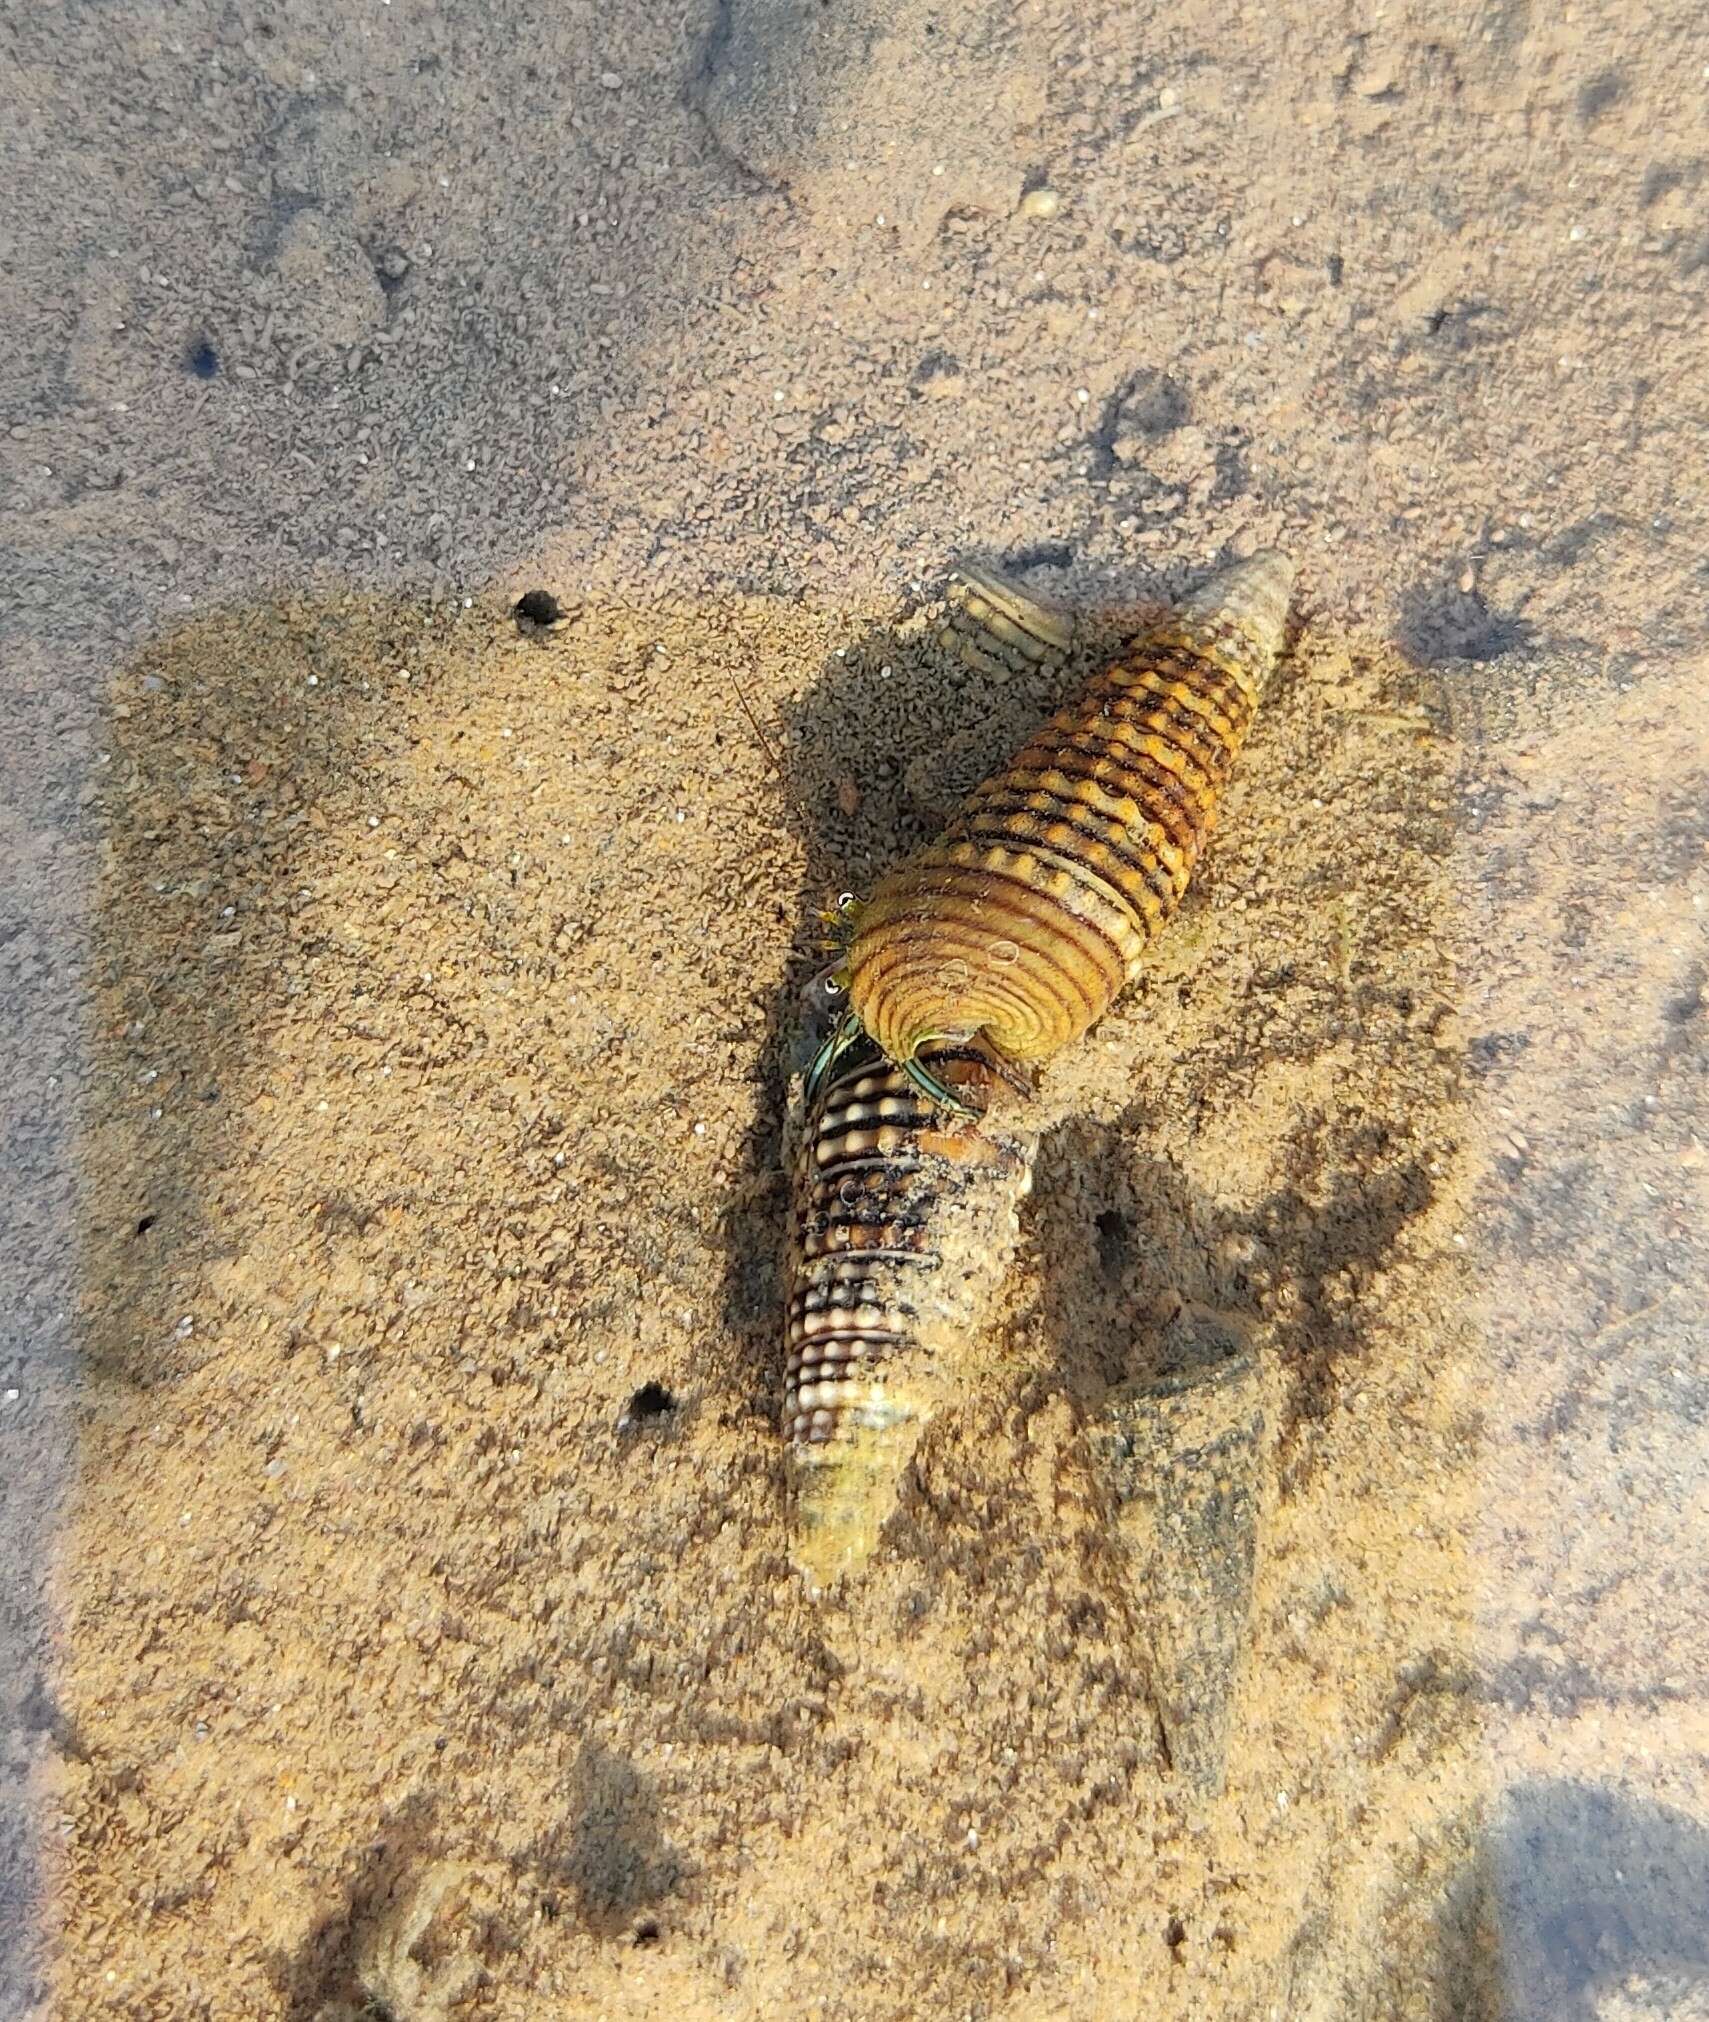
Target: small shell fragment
<point>997,629</point>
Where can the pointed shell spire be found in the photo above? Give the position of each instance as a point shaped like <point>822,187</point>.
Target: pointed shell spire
<point>1020,925</point>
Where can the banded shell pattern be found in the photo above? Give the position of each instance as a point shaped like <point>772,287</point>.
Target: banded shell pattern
<point>996,628</point>
<point>993,627</point>
<point>1024,920</point>
<point>906,1216</point>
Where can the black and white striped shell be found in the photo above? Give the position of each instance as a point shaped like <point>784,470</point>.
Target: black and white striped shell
<point>906,1215</point>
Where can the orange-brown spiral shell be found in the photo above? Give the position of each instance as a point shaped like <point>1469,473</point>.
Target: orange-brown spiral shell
<point>1022,922</point>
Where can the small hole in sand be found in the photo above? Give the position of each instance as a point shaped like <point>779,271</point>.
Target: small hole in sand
<point>652,1400</point>
<point>538,609</point>
<point>145,1223</point>
<point>1114,1241</point>
<point>1175,1934</point>
<point>647,1933</point>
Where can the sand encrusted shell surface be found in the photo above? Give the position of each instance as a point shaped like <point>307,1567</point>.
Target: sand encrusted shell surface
<point>906,1216</point>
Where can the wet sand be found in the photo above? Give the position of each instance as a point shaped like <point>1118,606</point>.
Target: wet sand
<point>404,1009</point>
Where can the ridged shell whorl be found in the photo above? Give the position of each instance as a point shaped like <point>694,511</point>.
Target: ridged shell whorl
<point>996,628</point>
<point>1022,922</point>
<point>905,1220</point>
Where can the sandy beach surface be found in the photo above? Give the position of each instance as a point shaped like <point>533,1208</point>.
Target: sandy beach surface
<point>1301,1612</point>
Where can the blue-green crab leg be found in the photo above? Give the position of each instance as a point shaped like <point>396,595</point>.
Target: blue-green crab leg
<point>930,1086</point>
<point>848,1031</point>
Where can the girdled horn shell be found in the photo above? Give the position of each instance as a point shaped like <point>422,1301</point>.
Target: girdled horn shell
<point>905,1218</point>
<point>1023,921</point>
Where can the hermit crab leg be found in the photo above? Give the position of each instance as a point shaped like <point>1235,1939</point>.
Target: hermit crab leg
<point>848,1031</point>
<point>932,1088</point>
